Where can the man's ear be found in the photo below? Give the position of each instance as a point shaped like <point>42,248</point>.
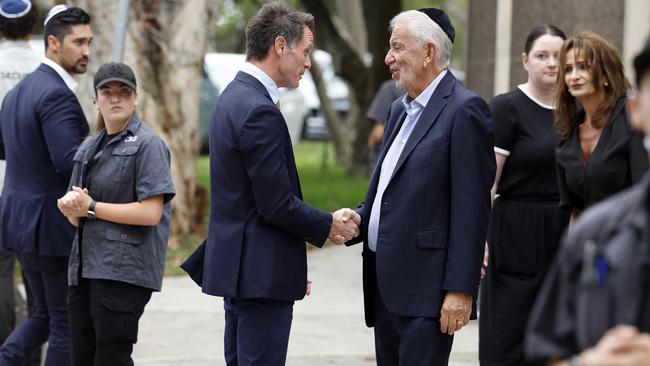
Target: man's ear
<point>524,60</point>
<point>280,45</point>
<point>430,53</point>
<point>53,43</point>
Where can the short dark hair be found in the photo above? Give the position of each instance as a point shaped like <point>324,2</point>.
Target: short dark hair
<point>19,28</point>
<point>271,21</point>
<point>540,31</point>
<point>61,24</point>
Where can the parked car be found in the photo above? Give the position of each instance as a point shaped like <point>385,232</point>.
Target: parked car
<point>221,69</point>
<point>209,94</point>
<point>315,127</point>
<point>301,107</point>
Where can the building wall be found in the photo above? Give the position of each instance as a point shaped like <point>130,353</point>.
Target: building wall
<point>624,22</point>
<point>481,46</point>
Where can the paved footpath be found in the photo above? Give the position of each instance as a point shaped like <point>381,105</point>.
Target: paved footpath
<point>183,327</point>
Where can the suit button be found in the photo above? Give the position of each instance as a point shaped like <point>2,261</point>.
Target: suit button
<point>123,236</point>
<point>385,203</point>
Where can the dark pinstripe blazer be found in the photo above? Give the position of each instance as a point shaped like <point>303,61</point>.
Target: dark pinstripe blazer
<point>436,207</point>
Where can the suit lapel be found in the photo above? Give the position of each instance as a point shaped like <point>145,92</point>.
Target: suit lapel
<point>427,119</point>
<point>252,81</point>
<point>47,69</point>
<point>397,119</point>
<point>291,161</point>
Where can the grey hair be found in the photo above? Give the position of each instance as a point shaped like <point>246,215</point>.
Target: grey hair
<point>425,30</point>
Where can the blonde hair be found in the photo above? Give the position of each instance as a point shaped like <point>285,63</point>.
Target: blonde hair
<point>100,124</point>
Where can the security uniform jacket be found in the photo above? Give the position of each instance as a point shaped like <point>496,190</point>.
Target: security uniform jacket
<point>131,166</point>
<point>258,221</point>
<point>436,207</point>
<point>41,125</point>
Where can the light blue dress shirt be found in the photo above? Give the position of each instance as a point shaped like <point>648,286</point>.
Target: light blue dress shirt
<point>414,108</point>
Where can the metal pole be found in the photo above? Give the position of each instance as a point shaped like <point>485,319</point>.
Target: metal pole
<point>120,30</point>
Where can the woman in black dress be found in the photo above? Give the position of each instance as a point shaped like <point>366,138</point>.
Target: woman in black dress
<point>599,153</point>
<point>527,222</point>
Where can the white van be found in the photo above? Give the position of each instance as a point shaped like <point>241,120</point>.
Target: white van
<point>221,69</point>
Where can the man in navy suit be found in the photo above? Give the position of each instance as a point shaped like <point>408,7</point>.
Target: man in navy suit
<point>255,255</point>
<point>18,19</point>
<point>41,126</point>
<point>426,212</point>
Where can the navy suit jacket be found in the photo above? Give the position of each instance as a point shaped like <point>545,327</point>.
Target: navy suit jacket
<point>41,127</point>
<point>436,207</point>
<point>258,221</point>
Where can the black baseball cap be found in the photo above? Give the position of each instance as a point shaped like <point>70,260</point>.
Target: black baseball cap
<point>115,71</point>
<point>441,18</point>
<point>642,62</point>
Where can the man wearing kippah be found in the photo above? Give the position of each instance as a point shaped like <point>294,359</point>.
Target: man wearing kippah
<point>425,216</point>
<point>41,126</point>
<point>17,59</point>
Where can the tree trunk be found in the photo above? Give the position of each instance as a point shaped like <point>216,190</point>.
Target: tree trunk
<point>331,35</point>
<point>378,15</point>
<point>165,45</point>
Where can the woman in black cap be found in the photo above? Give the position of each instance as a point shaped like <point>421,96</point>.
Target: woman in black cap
<point>119,200</point>
<point>526,223</point>
<point>599,153</point>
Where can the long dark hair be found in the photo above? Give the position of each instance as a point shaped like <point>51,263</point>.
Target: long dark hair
<point>604,62</point>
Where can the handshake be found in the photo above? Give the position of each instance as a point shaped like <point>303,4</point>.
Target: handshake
<point>345,226</point>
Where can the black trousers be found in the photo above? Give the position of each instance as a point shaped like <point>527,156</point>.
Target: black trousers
<point>104,318</point>
<point>7,303</point>
<point>10,299</point>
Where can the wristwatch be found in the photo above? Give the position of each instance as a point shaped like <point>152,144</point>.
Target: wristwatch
<point>91,210</point>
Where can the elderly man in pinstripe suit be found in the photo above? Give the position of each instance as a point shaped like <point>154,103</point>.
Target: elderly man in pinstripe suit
<point>425,215</point>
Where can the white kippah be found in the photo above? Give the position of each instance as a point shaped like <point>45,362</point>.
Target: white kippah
<point>54,11</point>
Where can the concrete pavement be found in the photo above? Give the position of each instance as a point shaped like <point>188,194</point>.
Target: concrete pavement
<point>183,327</point>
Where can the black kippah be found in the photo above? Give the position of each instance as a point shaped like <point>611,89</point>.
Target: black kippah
<point>441,18</point>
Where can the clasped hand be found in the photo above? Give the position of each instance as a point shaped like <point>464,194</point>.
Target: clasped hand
<point>622,345</point>
<point>74,203</point>
<point>345,226</point>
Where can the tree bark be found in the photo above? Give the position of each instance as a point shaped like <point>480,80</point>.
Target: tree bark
<point>363,80</point>
<point>165,45</point>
